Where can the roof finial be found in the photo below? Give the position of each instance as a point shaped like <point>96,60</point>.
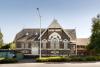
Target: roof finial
<point>54,24</point>
<point>54,19</point>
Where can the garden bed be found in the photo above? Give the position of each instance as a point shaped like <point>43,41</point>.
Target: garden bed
<point>7,60</point>
<point>69,59</point>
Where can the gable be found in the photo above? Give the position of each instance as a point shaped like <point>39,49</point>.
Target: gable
<point>34,34</point>
<point>54,24</point>
<point>72,33</point>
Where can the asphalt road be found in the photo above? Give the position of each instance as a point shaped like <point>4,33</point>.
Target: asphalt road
<point>94,64</point>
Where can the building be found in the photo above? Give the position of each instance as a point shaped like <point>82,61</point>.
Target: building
<point>55,41</point>
<point>81,46</point>
<point>1,39</point>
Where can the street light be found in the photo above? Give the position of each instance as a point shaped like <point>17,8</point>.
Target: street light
<point>40,29</point>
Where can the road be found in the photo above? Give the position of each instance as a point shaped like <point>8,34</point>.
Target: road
<point>94,64</point>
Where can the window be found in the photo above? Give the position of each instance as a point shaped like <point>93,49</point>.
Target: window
<point>44,43</point>
<point>81,46</point>
<point>29,45</point>
<point>27,34</point>
<point>48,46</point>
<point>54,40</point>
<point>18,45</point>
<point>65,41</point>
<point>55,43</point>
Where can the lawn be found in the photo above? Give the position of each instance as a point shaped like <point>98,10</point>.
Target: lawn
<point>1,58</point>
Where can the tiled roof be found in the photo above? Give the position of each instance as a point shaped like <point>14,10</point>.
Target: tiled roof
<point>28,34</point>
<point>82,41</point>
<point>33,34</point>
<point>72,33</point>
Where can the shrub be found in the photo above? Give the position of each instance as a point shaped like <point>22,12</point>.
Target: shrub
<point>97,58</point>
<point>8,60</point>
<point>69,59</point>
<point>75,59</point>
<point>51,59</point>
<point>90,58</point>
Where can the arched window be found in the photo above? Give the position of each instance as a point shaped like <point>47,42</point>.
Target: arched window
<point>44,41</point>
<point>54,35</point>
<point>65,41</point>
<point>54,40</point>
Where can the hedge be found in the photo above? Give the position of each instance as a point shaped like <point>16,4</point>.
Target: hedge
<point>69,59</point>
<point>51,59</point>
<point>8,60</point>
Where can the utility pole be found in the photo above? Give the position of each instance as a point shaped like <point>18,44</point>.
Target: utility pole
<point>40,30</point>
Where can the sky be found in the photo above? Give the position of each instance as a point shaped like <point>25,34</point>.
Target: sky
<point>16,15</point>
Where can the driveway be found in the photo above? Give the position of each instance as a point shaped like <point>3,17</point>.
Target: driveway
<point>97,64</point>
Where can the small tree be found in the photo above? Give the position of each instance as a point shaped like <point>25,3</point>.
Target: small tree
<point>1,39</point>
<point>94,45</point>
<point>6,46</point>
<point>12,46</point>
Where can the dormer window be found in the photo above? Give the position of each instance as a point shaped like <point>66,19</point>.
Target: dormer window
<point>27,33</point>
<point>36,33</point>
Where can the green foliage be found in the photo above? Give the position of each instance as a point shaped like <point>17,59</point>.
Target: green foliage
<point>7,46</point>
<point>2,58</point>
<point>94,45</point>
<point>51,59</point>
<point>1,39</point>
<point>69,59</point>
<point>8,60</point>
<point>13,46</point>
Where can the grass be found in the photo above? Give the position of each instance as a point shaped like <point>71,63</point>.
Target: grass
<point>1,58</point>
<point>7,60</point>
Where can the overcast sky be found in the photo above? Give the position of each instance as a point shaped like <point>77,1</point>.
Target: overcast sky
<point>18,14</point>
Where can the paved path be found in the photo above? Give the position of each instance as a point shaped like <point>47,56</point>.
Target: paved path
<point>97,64</point>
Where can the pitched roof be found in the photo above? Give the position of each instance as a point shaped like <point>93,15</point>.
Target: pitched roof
<point>33,34</point>
<point>72,33</point>
<point>82,41</point>
<point>28,34</point>
<point>54,24</point>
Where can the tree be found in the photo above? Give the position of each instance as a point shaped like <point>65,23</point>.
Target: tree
<point>94,45</point>
<point>1,39</point>
<point>6,46</point>
<point>12,46</point>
